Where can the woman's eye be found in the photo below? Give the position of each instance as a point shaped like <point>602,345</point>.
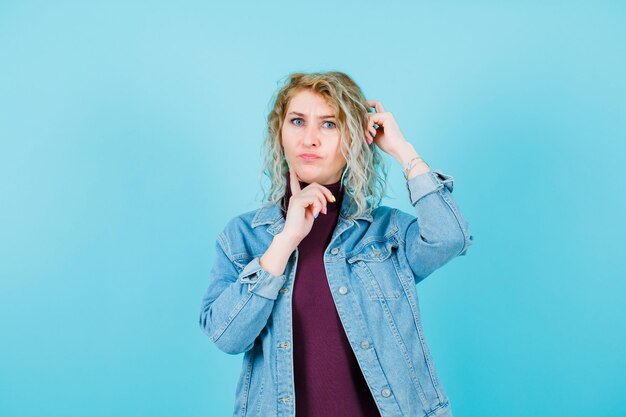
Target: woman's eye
<point>299,119</point>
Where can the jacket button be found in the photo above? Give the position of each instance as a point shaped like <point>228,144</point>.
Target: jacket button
<point>285,399</point>
<point>284,290</point>
<point>283,345</point>
<point>343,290</point>
<point>386,392</point>
<point>365,344</point>
<point>334,251</point>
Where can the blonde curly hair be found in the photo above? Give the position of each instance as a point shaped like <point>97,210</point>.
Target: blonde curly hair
<point>364,175</point>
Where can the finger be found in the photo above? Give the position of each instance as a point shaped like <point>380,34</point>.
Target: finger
<point>294,181</point>
<point>315,197</point>
<point>306,202</point>
<point>325,194</point>
<point>317,207</point>
<point>312,204</point>
<point>369,135</point>
<point>376,118</point>
<point>321,199</point>
<point>371,129</point>
<point>376,104</point>
<point>372,124</point>
<point>372,118</point>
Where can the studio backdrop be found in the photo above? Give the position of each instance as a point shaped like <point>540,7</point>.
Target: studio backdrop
<point>131,132</point>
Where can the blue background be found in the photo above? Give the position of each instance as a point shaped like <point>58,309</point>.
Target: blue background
<point>130,132</point>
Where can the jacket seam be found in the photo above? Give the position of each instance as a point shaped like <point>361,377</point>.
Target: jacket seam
<point>465,234</point>
<point>223,241</point>
<point>420,333</point>
<point>390,233</point>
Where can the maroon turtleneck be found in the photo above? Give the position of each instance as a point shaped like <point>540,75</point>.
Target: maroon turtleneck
<point>328,379</point>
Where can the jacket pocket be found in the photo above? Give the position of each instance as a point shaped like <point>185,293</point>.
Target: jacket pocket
<point>375,265</point>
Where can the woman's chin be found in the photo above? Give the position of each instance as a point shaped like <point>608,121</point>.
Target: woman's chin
<point>309,173</point>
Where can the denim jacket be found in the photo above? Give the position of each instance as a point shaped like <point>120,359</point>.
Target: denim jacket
<point>373,264</point>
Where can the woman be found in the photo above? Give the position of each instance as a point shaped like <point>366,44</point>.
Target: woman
<point>325,307</point>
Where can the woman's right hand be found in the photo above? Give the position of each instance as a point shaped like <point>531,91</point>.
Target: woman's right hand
<point>304,206</point>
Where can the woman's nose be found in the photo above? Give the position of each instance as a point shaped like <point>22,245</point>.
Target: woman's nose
<point>311,136</point>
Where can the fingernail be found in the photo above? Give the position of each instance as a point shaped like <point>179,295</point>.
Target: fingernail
<point>334,199</point>
<point>316,214</point>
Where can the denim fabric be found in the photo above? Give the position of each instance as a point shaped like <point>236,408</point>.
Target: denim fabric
<point>373,264</point>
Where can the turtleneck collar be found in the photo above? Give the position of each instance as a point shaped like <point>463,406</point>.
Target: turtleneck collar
<point>334,188</point>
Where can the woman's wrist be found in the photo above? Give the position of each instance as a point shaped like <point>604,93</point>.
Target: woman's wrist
<point>406,158</point>
<point>285,242</point>
<point>275,259</point>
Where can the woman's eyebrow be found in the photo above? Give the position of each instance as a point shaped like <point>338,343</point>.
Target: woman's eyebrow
<point>321,117</point>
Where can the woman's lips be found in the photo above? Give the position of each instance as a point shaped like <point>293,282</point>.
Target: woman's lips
<point>309,157</point>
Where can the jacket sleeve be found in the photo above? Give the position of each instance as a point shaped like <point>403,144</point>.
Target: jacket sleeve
<point>236,306</point>
<point>440,231</point>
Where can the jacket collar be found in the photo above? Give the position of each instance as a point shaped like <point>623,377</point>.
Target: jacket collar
<point>272,214</point>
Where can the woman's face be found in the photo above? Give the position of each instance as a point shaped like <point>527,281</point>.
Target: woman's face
<point>311,139</point>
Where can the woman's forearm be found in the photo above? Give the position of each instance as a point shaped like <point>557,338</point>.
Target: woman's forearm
<point>408,153</point>
<point>275,258</point>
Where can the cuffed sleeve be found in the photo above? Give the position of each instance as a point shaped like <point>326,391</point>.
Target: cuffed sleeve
<point>236,306</point>
<point>426,183</point>
<point>439,231</point>
<point>261,282</point>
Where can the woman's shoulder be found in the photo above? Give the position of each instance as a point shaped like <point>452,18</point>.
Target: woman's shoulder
<point>387,213</point>
<point>244,234</point>
<point>248,222</point>
<point>388,218</point>
<point>380,220</point>
<point>243,220</point>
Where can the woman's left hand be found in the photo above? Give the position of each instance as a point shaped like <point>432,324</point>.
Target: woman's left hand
<point>388,136</point>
